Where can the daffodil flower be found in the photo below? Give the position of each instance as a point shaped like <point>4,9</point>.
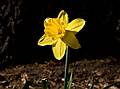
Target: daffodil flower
<point>60,33</point>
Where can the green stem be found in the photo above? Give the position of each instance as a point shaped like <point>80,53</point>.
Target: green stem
<point>66,70</point>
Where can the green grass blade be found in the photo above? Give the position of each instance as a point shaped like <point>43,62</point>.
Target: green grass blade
<point>70,81</point>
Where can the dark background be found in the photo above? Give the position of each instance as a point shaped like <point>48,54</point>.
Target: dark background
<point>99,38</point>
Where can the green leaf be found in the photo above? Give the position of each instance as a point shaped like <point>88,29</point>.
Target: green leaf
<point>92,82</point>
<point>45,84</point>
<point>70,81</point>
<point>26,86</point>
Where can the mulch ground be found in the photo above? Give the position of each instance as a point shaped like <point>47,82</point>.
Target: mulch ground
<point>97,73</point>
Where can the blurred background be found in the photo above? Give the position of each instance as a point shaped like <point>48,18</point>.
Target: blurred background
<point>21,26</point>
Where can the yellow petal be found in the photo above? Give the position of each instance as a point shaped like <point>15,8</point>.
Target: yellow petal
<point>63,16</point>
<point>76,25</point>
<point>71,40</point>
<point>59,49</point>
<point>47,21</point>
<point>44,40</point>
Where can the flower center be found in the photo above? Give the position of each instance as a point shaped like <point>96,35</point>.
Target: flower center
<point>54,28</point>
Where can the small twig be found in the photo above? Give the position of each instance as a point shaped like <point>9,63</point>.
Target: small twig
<point>111,85</point>
<point>5,44</point>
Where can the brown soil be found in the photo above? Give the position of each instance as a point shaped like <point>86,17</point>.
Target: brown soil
<point>97,72</point>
